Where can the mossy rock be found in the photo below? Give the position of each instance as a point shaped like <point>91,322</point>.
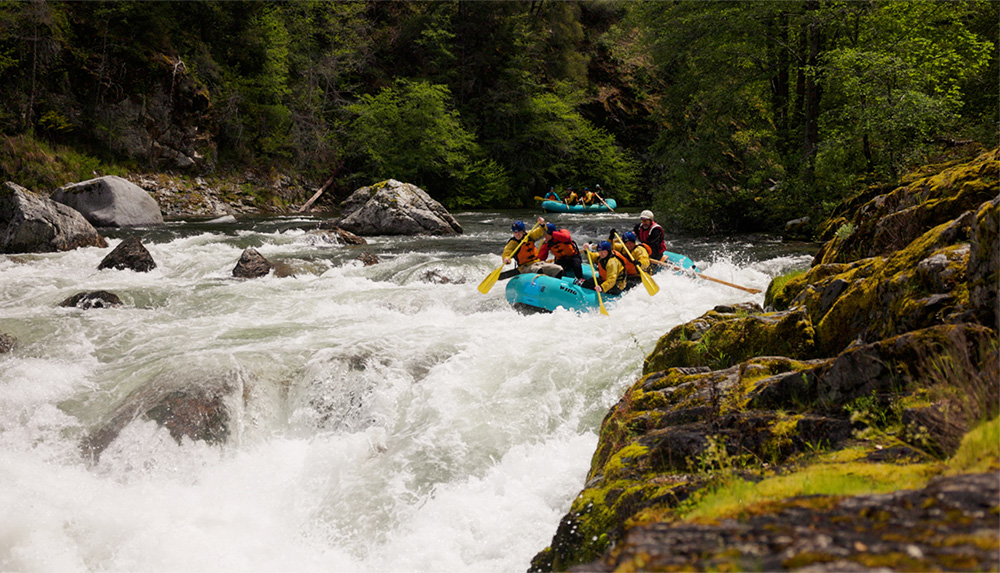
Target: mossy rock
<point>892,220</point>
<point>719,340</point>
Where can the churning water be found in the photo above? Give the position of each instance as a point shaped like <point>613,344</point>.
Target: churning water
<point>379,420</point>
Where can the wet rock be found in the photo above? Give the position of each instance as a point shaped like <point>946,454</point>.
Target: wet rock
<point>7,343</point>
<point>395,208</point>
<point>252,265</point>
<point>93,299</point>
<point>948,525</point>
<point>30,223</point>
<point>130,254</point>
<point>195,409</point>
<point>111,201</point>
<point>437,278</point>
<point>984,264</point>
<point>340,235</point>
<point>368,259</point>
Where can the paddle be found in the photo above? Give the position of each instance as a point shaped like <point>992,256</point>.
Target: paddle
<point>605,202</point>
<point>647,281</point>
<point>593,273</point>
<point>491,279</point>
<point>748,289</point>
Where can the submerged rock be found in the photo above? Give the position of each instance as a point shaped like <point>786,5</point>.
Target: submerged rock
<point>30,223</point>
<point>93,299</point>
<point>7,343</point>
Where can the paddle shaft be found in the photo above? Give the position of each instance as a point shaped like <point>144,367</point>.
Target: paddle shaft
<point>597,278</point>
<point>706,277</point>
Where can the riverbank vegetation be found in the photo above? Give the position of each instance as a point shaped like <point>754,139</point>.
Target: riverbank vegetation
<point>720,115</point>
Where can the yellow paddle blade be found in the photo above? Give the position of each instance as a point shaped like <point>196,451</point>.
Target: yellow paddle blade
<point>593,273</point>
<point>490,280</point>
<point>648,282</point>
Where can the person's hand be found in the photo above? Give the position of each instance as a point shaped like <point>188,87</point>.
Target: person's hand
<point>598,289</point>
<point>506,261</point>
<point>541,221</point>
<point>611,235</point>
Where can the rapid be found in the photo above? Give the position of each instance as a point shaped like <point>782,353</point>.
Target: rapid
<point>379,420</point>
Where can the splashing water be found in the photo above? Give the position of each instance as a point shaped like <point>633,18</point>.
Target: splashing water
<point>378,420</point>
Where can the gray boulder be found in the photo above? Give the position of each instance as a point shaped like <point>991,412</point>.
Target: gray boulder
<point>93,299</point>
<point>30,223</point>
<point>111,202</point>
<point>395,208</point>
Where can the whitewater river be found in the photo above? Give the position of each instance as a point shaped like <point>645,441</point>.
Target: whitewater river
<point>379,421</point>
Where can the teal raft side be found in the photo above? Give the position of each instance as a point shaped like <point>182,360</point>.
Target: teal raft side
<point>547,293</point>
<point>680,260</point>
<point>560,207</point>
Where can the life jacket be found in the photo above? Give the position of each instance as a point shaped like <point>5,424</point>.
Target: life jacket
<point>562,245</point>
<point>526,253</point>
<point>602,271</point>
<point>570,198</point>
<point>643,236</point>
<point>588,198</point>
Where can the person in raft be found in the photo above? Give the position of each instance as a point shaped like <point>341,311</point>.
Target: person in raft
<point>588,197</point>
<point>571,197</point>
<point>526,255</point>
<point>638,260</point>
<point>610,267</point>
<point>650,234</point>
<point>552,195</point>
<point>564,251</point>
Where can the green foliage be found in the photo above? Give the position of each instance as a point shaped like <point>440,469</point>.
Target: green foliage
<point>409,132</point>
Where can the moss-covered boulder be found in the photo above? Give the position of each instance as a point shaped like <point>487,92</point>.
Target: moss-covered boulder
<point>892,220</point>
<point>728,335</point>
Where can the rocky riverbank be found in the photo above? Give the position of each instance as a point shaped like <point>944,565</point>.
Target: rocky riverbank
<point>850,425</point>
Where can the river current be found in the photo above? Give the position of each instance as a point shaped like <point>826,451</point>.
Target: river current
<point>381,420</point>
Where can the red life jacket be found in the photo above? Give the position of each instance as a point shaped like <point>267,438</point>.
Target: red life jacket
<point>561,245</point>
<point>643,235</point>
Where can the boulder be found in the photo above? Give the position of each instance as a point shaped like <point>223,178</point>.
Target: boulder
<point>192,408</point>
<point>30,223</point>
<point>129,254</point>
<point>252,265</point>
<point>94,299</point>
<point>395,208</point>
<point>111,202</point>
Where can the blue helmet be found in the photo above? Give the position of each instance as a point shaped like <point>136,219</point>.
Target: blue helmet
<point>517,226</point>
<point>604,246</point>
<point>550,228</point>
<point>629,236</point>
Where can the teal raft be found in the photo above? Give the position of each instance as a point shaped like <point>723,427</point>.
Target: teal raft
<point>542,293</point>
<point>550,206</point>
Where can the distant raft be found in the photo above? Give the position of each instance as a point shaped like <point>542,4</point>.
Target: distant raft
<point>541,293</point>
<point>550,206</point>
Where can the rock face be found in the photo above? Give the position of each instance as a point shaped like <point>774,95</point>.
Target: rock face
<point>889,339</point>
<point>111,202</point>
<point>395,208</point>
<point>129,254</point>
<point>30,223</point>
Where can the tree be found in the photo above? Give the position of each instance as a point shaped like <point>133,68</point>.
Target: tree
<point>410,132</point>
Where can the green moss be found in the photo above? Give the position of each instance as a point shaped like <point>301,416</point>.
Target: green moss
<point>775,296</point>
<point>979,451</point>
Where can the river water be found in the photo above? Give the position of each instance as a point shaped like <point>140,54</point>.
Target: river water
<point>380,421</point>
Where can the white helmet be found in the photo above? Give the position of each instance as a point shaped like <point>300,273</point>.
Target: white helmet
<point>647,214</point>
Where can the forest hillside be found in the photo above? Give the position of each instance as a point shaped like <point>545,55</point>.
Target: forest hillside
<point>719,115</point>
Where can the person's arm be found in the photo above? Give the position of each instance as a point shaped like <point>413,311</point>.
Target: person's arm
<point>537,233</point>
<point>508,250</point>
<point>543,253</point>
<point>642,257</point>
<point>655,236</point>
